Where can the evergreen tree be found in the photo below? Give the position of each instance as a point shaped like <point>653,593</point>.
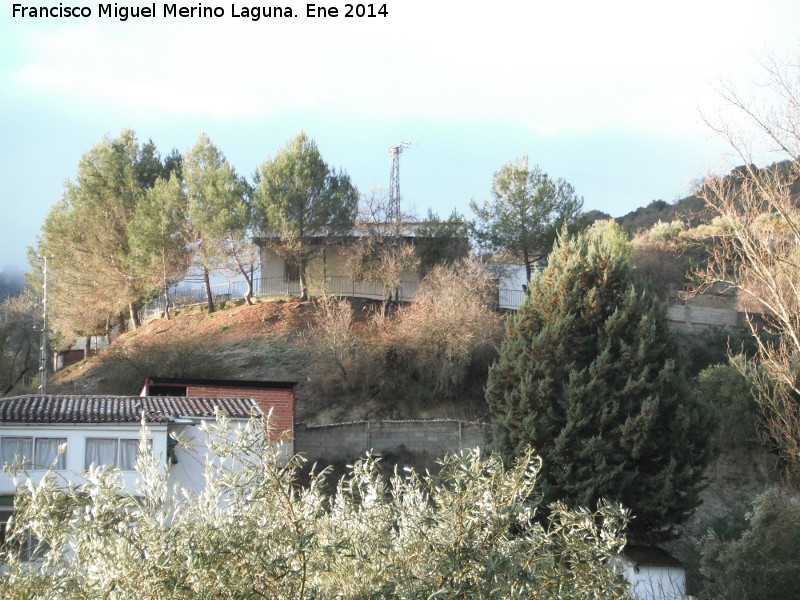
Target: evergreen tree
<point>94,274</point>
<point>589,376</point>
<point>527,211</point>
<point>219,213</point>
<point>301,205</point>
<point>158,235</point>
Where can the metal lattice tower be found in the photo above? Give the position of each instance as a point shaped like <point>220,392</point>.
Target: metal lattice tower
<point>394,181</point>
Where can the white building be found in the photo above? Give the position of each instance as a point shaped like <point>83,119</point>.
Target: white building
<point>652,573</point>
<point>70,433</point>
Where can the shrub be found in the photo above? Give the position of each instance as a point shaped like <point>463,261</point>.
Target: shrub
<point>762,564</point>
<point>724,387</point>
<point>253,533</point>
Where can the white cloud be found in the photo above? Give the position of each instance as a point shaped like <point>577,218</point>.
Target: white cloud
<point>567,67</point>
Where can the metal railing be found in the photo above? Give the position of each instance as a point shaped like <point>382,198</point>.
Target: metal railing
<point>276,287</point>
<point>510,299</point>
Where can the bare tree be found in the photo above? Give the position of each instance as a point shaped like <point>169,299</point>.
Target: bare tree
<point>383,250</point>
<point>756,245</point>
<point>18,341</point>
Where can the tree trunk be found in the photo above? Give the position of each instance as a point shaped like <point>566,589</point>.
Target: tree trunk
<point>248,280</point>
<point>123,327</point>
<point>135,322</point>
<point>87,347</point>
<point>303,284</point>
<point>166,303</point>
<point>526,258</point>
<point>209,297</point>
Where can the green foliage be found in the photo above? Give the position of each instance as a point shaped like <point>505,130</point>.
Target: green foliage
<point>764,562</point>
<point>527,211</point>
<point>157,233</point>
<point>712,347</point>
<point>469,533</point>
<point>724,387</point>
<point>301,204</point>
<point>93,274</point>
<point>441,241</point>
<point>219,212</point>
<point>589,376</point>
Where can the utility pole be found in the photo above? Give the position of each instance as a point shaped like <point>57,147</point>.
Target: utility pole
<point>43,346</point>
<point>394,182</point>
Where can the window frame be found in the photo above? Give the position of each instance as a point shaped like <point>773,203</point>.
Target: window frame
<point>117,452</point>
<point>31,462</point>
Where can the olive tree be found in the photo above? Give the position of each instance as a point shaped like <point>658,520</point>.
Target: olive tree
<point>254,532</point>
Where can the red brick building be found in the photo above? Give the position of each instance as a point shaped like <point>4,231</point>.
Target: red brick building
<point>275,396</point>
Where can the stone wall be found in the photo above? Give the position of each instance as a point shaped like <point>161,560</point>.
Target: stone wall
<point>348,441</point>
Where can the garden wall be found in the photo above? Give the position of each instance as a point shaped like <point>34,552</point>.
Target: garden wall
<point>348,441</point>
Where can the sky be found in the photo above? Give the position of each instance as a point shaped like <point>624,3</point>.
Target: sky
<point>607,95</point>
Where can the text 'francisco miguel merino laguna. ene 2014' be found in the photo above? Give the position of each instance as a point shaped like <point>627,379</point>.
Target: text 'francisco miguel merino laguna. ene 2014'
<point>174,10</point>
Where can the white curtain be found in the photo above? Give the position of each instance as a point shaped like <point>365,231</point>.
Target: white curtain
<point>128,451</point>
<point>101,452</point>
<point>46,452</point>
<point>16,449</point>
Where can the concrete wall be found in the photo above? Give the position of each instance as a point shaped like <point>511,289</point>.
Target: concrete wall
<point>348,441</point>
<point>693,319</point>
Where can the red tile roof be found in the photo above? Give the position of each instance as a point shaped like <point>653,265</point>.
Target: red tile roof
<point>118,409</point>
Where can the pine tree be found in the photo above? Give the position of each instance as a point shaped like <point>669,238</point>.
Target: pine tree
<point>301,204</point>
<point>589,376</point>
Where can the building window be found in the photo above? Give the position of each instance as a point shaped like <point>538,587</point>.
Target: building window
<point>291,269</point>
<point>121,453</point>
<point>41,453</point>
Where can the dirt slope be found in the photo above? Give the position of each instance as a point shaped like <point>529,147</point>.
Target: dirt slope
<point>264,341</point>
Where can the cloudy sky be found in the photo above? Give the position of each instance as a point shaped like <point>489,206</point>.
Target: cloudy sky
<point>607,95</point>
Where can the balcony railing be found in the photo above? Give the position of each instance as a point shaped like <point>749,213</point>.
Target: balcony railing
<point>332,285</point>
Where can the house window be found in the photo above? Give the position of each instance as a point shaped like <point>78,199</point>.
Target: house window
<point>41,453</point>
<point>291,270</point>
<point>121,453</point>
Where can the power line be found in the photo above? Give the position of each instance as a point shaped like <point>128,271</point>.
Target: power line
<point>579,179</point>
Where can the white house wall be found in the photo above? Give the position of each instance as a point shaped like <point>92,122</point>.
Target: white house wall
<point>656,583</point>
<point>76,435</point>
<point>272,266</point>
<point>188,473</point>
<point>334,267</point>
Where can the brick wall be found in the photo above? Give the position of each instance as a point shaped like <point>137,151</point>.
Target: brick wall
<point>348,441</point>
<point>281,401</point>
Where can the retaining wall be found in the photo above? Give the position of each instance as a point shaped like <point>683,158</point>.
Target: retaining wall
<point>693,319</point>
<point>347,441</point>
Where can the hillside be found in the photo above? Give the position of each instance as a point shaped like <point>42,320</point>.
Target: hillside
<point>692,209</point>
<point>269,340</point>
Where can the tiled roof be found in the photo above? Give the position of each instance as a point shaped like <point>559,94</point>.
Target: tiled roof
<point>118,409</point>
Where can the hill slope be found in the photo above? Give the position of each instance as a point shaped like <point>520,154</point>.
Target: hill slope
<point>266,341</point>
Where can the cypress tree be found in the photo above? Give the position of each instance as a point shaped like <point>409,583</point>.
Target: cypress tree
<point>589,376</point>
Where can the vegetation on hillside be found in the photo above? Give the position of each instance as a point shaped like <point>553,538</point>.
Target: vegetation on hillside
<point>352,359</point>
